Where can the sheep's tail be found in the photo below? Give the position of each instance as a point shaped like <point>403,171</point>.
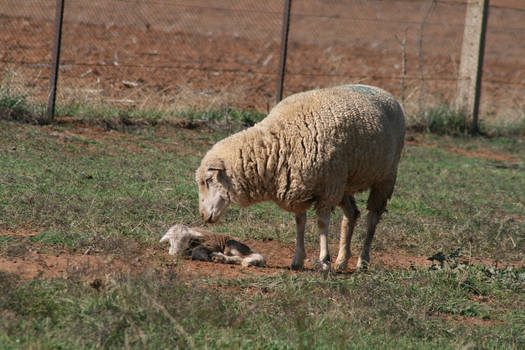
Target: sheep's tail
<point>254,259</point>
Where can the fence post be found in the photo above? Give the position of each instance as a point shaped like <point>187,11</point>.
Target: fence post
<point>284,49</point>
<point>50,113</point>
<point>471,66</point>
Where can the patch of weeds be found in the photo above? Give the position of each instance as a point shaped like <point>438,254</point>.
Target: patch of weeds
<point>114,118</point>
<point>5,242</point>
<point>59,239</point>
<point>225,118</point>
<point>473,282</point>
<point>505,127</point>
<point>444,120</point>
<point>14,106</point>
<point>102,111</point>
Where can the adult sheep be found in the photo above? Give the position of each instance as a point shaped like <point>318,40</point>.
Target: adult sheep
<point>317,147</point>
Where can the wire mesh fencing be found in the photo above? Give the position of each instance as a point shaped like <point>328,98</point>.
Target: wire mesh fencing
<point>210,54</point>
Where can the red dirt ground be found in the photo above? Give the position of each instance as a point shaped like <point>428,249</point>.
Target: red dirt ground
<point>30,260</point>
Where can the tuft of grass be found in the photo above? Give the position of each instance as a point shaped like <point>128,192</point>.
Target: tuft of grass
<point>444,120</point>
<point>14,106</point>
<point>213,117</point>
<point>505,127</point>
<point>108,112</point>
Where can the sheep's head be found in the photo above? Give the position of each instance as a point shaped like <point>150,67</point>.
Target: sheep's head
<point>213,194</point>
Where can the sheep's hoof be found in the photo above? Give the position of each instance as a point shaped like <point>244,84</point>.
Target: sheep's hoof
<point>341,265</point>
<point>298,262</point>
<point>323,266</point>
<point>363,264</point>
<point>297,266</point>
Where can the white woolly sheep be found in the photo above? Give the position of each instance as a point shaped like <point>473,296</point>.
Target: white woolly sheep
<point>320,146</point>
<point>208,246</point>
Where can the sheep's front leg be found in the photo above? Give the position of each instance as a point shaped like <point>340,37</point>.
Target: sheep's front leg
<point>323,222</point>
<point>300,252</point>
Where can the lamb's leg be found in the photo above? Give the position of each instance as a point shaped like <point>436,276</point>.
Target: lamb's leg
<point>226,259</point>
<point>323,222</point>
<point>351,213</point>
<point>201,253</point>
<point>254,259</point>
<point>376,206</point>
<point>300,252</point>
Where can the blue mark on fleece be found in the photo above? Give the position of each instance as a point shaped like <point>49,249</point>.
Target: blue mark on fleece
<point>363,89</point>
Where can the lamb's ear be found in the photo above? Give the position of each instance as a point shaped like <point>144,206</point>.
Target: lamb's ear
<point>216,164</point>
<point>172,233</point>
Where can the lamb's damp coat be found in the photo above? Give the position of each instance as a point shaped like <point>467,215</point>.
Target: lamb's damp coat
<point>204,245</point>
<point>314,147</point>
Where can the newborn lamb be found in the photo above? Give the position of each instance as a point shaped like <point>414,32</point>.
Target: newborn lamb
<point>208,246</point>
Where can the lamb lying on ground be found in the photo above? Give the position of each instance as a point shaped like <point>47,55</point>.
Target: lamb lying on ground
<point>208,246</point>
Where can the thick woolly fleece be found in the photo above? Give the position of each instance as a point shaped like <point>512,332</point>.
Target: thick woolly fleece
<point>314,147</point>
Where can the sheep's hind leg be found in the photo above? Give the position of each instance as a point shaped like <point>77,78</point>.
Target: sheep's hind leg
<point>300,252</point>
<point>323,222</point>
<point>376,206</point>
<point>351,214</point>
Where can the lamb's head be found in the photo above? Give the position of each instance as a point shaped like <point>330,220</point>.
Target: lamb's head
<point>179,237</point>
<point>213,182</point>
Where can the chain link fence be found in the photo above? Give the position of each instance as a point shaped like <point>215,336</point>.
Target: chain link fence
<point>210,54</point>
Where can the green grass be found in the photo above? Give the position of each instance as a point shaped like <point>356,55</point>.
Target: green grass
<point>117,191</point>
<point>223,117</point>
<point>409,309</point>
<point>449,200</point>
<point>138,183</point>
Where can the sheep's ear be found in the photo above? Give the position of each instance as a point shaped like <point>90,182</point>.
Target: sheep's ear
<point>216,164</point>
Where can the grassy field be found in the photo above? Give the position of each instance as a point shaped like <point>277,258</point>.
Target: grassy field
<point>114,185</point>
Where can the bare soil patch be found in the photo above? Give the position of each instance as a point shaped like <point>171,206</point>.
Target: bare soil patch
<point>482,153</point>
<point>30,260</point>
<point>479,152</point>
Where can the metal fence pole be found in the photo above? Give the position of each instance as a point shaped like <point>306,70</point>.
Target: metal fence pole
<point>50,113</point>
<point>284,48</point>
